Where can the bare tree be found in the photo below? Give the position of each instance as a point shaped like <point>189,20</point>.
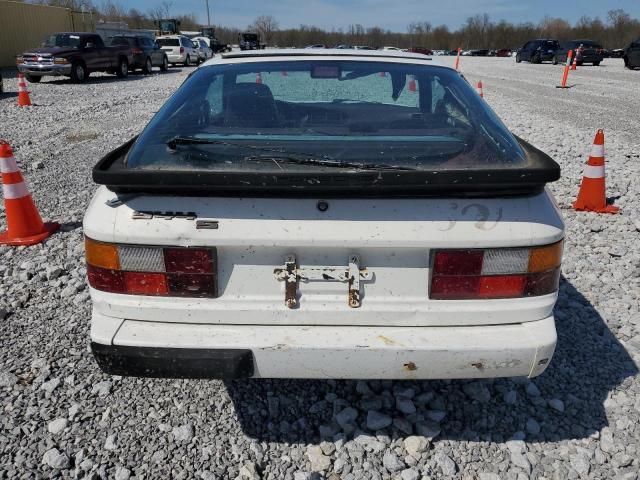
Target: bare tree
<point>265,25</point>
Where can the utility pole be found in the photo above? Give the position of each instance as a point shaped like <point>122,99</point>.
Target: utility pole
<point>208,17</point>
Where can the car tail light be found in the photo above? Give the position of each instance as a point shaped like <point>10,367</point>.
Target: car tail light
<point>136,51</point>
<point>495,273</point>
<point>153,271</point>
<point>181,49</point>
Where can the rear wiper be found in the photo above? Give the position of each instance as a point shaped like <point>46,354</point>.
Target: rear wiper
<point>284,156</point>
<point>326,163</point>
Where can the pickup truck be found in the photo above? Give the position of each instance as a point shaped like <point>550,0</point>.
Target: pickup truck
<point>74,55</point>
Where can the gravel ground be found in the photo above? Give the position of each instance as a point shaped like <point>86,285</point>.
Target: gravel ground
<point>61,417</point>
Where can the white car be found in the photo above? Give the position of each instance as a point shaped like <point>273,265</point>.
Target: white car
<point>391,49</point>
<point>292,213</point>
<point>179,49</point>
<point>202,46</point>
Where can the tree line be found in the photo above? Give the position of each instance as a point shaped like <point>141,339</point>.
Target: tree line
<point>479,31</point>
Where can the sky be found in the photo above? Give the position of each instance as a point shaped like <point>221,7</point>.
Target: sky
<point>389,14</point>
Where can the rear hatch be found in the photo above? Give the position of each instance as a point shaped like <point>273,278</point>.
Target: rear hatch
<point>169,45</point>
<point>390,241</point>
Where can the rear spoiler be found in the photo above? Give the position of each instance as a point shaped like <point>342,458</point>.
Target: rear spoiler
<point>539,170</point>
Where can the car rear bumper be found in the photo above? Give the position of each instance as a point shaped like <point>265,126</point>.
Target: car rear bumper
<point>44,70</point>
<point>173,58</point>
<point>156,349</point>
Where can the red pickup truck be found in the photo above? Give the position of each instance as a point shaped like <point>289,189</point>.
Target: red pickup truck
<point>75,55</point>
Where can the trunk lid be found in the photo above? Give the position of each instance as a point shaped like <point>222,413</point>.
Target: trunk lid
<point>391,239</point>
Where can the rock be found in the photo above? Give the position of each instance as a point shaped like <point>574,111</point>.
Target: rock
<point>346,416</point>
<point>510,397</point>
<point>428,429</point>
<point>556,404</point>
<point>327,448</point>
<point>392,463</point>
<point>273,404</point>
<point>532,390</point>
<point>7,379</point>
<point>51,385</point>
<point>436,415</point>
<point>520,460</point>
<point>377,420</point>
<point>183,433</point>
<point>415,445</point>
<point>3,313</point>
<point>409,474</point>
<point>56,426</point>
<point>110,443</point>
<point>477,391</point>
<point>405,405</point>
<point>363,388</point>
<point>37,165</point>
<point>73,410</point>
<point>248,471</point>
<point>446,464</point>
<point>403,425</point>
<point>55,459</point>
<point>533,427</point>
<point>580,464</point>
<point>122,473</point>
<point>488,476</point>
<point>319,461</point>
<point>606,441</point>
<point>302,476</point>
<point>102,389</point>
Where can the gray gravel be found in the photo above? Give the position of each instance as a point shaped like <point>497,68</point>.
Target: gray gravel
<point>61,417</point>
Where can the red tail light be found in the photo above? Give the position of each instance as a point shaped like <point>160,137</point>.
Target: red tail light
<point>136,51</point>
<point>153,271</point>
<point>181,49</point>
<point>495,273</point>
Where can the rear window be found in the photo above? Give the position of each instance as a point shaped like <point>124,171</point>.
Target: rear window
<point>168,42</point>
<point>122,41</point>
<point>322,115</point>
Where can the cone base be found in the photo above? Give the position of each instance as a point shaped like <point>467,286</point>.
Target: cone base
<point>606,209</point>
<point>49,229</point>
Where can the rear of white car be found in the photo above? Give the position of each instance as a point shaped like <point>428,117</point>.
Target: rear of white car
<point>227,253</point>
<point>179,49</point>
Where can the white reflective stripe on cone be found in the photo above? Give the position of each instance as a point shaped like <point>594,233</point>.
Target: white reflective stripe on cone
<point>8,165</point>
<point>597,150</point>
<point>594,172</point>
<point>13,191</point>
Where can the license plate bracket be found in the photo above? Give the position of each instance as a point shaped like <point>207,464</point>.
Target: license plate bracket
<point>352,274</point>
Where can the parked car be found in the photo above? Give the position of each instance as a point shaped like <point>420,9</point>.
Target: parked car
<point>584,51</point>
<point>617,53</point>
<point>204,52</point>
<point>422,50</point>
<point>317,45</point>
<point>479,52</point>
<point>363,47</point>
<point>75,55</point>
<point>179,49</point>
<point>503,52</point>
<point>230,240</point>
<point>537,51</point>
<point>343,46</point>
<point>391,49</point>
<point>145,53</point>
<point>631,55</point>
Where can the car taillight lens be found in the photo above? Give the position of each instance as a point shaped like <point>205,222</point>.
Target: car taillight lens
<point>136,51</point>
<point>181,49</point>
<point>495,273</point>
<point>154,271</point>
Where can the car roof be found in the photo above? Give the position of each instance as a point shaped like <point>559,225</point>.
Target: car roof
<point>278,54</point>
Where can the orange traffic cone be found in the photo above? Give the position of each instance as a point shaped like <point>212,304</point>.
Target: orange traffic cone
<point>592,194</point>
<point>23,95</point>
<point>258,77</point>
<point>412,84</point>
<point>479,88</point>
<point>24,225</point>
<point>574,65</point>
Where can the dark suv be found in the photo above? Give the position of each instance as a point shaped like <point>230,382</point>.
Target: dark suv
<point>631,55</point>
<point>537,51</point>
<point>584,51</point>
<point>145,53</point>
